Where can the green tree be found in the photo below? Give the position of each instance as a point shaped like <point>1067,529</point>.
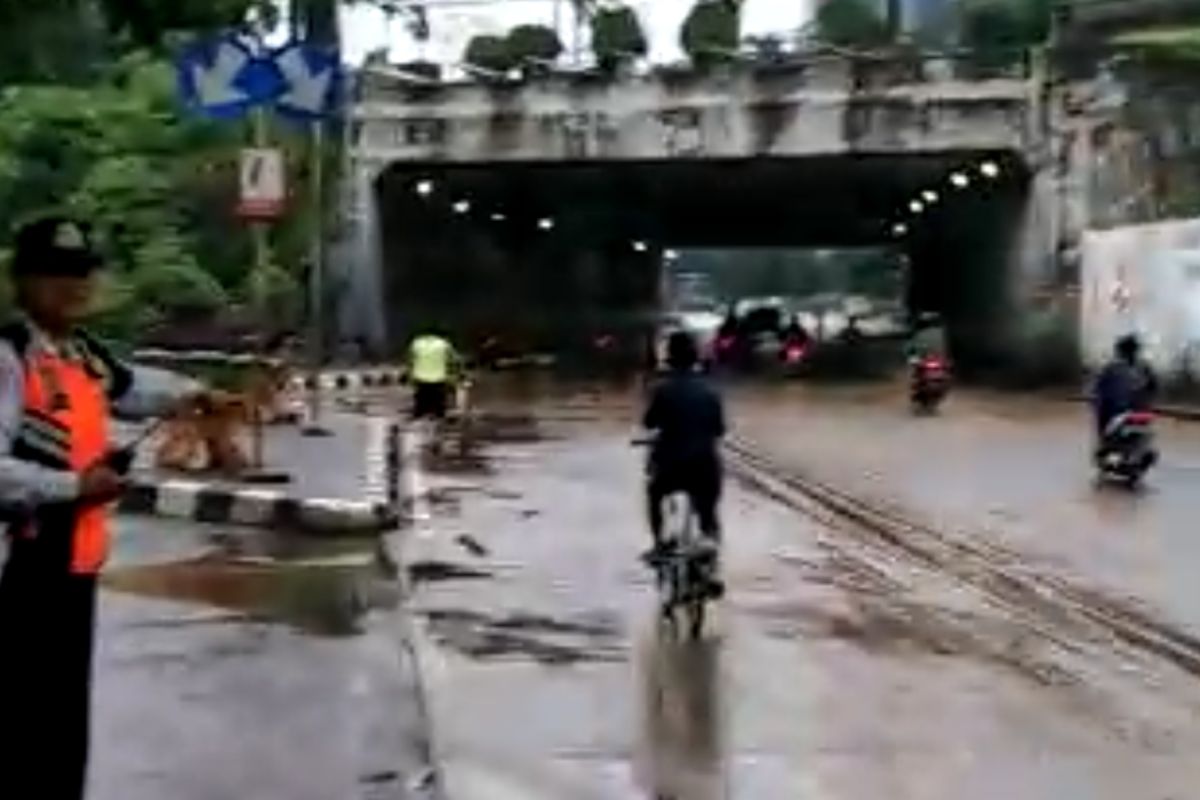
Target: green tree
<point>146,23</point>
<point>533,47</point>
<point>617,36</point>
<point>851,23</point>
<point>998,32</point>
<point>711,31</point>
<point>490,53</point>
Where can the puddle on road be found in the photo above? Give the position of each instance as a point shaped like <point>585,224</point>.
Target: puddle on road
<point>547,641</point>
<point>681,752</point>
<point>321,590</point>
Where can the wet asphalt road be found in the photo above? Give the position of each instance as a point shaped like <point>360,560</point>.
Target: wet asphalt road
<point>234,665</point>
<point>1010,468</point>
<point>838,667</point>
<point>841,665</point>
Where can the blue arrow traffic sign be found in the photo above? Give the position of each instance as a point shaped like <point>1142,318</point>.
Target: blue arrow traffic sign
<point>312,79</point>
<point>222,78</point>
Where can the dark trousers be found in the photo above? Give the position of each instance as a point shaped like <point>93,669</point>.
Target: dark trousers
<point>701,479</point>
<point>430,400</point>
<point>47,619</point>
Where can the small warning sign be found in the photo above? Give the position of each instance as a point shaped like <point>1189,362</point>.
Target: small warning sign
<point>263,190</point>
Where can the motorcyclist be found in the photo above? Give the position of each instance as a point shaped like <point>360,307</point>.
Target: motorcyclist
<point>796,333</point>
<point>928,338</point>
<point>688,419</point>
<point>1126,383</point>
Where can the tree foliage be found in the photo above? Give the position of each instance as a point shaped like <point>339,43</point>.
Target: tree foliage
<point>997,32</point>
<point>851,23</point>
<point>533,43</point>
<point>147,22</point>
<point>710,32</point>
<point>490,53</point>
<point>617,36</point>
<point>157,187</point>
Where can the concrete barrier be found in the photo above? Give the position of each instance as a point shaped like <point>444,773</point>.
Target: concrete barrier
<point>216,504</point>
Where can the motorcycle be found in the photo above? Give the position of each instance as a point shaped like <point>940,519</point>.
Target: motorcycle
<point>1127,452</point>
<point>725,349</point>
<point>793,355</point>
<point>930,383</point>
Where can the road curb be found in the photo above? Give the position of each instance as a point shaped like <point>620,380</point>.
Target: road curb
<point>345,380</point>
<point>333,380</point>
<point>261,508</point>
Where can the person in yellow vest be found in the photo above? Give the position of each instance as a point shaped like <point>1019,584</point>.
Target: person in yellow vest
<point>431,365</point>
<point>58,477</point>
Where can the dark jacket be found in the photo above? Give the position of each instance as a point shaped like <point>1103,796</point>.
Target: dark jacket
<point>690,421</point>
<point>1123,386</point>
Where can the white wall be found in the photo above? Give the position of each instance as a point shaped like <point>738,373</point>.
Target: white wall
<point>1142,279</point>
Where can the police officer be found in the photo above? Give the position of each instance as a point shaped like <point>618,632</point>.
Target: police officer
<point>58,477</point>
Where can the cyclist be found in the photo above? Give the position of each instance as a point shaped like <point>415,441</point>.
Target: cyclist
<point>431,366</point>
<point>688,419</point>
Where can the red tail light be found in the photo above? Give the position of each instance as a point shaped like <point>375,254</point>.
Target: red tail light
<point>793,353</point>
<point>1139,418</point>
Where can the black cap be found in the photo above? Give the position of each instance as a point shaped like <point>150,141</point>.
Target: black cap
<point>54,246</point>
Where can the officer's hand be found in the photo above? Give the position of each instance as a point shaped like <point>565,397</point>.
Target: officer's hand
<point>121,460</point>
<point>101,483</point>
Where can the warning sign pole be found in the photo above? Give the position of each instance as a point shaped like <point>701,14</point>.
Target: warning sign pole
<point>316,302</point>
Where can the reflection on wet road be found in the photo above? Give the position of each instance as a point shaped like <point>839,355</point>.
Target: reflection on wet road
<point>843,664</point>
<point>680,752</point>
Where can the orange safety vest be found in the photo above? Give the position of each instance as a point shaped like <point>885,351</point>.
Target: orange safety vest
<point>65,426</point>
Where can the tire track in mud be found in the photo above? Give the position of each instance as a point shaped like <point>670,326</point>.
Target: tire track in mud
<point>1073,617</point>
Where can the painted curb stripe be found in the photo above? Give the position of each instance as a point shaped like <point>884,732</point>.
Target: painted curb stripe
<point>208,504</point>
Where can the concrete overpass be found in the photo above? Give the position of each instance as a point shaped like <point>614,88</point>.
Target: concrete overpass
<point>823,153</point>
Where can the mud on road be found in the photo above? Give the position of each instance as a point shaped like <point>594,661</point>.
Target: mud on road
<point>1056,631</point>
<point>860,651</point>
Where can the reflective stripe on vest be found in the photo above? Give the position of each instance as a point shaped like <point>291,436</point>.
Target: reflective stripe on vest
<point>66,418</point>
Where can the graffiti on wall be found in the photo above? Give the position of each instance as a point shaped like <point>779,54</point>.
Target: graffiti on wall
<point>683,135</point>
<point>1142,279</point>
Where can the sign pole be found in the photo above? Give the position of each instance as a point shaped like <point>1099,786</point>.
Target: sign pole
<point>262,263</point>
<point>316,287</point>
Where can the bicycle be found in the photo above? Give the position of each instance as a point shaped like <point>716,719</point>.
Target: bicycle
<point>684,564</point>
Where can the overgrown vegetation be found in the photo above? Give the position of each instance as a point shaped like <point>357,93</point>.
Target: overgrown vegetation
<point>711,32</point>
<point>90,124</point>
<point>851,23</point>
<point>531,48</point>
<point>617,37</point>
<point>997,33</point>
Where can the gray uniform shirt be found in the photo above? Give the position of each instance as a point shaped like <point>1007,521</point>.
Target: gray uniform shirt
<point>27,484</point>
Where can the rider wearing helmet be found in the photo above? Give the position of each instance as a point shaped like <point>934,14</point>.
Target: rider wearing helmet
<point>1127,383</point>
<point>689,420</point>
<point>928,337</point>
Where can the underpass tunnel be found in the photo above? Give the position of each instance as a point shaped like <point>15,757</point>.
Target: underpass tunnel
<point>547,257</point>
<point>965,259</point>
